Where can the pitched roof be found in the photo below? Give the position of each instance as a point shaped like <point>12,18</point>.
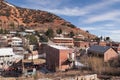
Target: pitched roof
<point>101,49</point>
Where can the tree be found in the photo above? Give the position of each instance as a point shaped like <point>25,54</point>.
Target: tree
<point>49,33</point>
<point>87,31</point>
<point>71,34</point>
<point>59,31</point>
<point>107,38</point>
<point>17,34</point>
<point>101,38</point>
<point>21,28</point>
<point>12,25</point>
<point>6,31</point>
<point>32,39</point>
<point>97,39</point>
<point>37,33</point>
<point>43,39</point>
<point>1,31</point>
<point>0,23</point>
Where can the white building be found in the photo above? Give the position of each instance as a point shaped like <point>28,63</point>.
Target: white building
<point>8,57</point>
<point>16,41</point>
<point>30,31</point>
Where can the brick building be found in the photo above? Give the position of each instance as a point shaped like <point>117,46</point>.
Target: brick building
<point>81,44</point>
<point>93,43</point>
<point>58,57</point>
<point>102,51</point>
<point>102,43</point>
<point>63,41</point>
<point>116,47</point>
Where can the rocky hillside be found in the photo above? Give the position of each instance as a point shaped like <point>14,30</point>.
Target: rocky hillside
<point>12,16</point>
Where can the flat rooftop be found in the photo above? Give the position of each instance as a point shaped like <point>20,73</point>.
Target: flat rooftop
<point>6,51</point>
<point>63,38</point>
<point>59,47</point>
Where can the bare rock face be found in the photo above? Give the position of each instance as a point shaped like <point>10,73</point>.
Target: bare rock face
<point>37,19</point>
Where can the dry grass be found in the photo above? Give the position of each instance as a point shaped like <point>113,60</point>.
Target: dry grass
<point>97,65</point>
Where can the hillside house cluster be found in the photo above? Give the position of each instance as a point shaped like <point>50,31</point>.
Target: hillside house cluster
<point>58,54</point>
<point>13,50</point>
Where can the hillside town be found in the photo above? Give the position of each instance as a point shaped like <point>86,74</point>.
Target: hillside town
<point>29,54</point>
<point>42,45</point>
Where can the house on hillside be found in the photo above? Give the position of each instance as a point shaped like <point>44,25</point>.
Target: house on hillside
<point>15,42</point>
<point>102,51</point>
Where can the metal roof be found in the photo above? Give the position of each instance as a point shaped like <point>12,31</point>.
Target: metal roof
<point>101,49</point>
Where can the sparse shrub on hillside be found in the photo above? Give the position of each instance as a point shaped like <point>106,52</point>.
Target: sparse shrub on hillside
<point>4,31</point>
<point>12,25</point>
<point>7,13</point>
<point>77,39</point>
<point>71,25</point>
<point>1,31</point>
<point>71,34</point>
<point>59,31</point>
<point>27,20</point>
